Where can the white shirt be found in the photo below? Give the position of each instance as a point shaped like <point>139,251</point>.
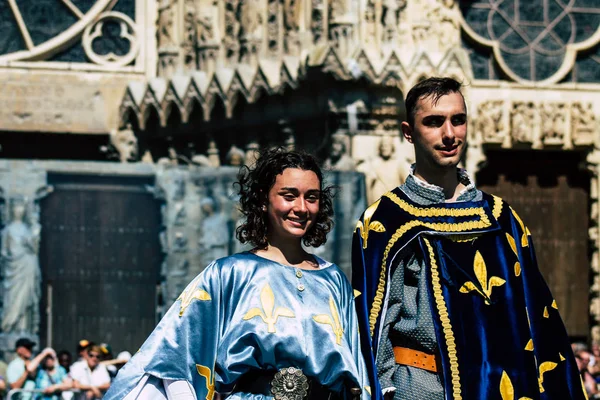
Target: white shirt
<point>80,371</point>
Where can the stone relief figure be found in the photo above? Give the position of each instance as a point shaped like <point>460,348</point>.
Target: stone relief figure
<point>252,153</point>
<point>583,123</point>
<point>522,122</point>
<point>166,32</point>
<point>553,123</point>
<point>214,235</point>
<point>489,123</point>
<point>20,271</point>
<point>339,159</point>
<point>384,172</point>
<point>125,143</point>
<point>235,156</point>
<point>445,25</point>
<point>251,19</point>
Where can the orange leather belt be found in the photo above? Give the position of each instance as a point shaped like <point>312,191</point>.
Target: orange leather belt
<point>414,358</point>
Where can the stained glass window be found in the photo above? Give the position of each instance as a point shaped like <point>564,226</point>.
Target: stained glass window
<point>531,35</point>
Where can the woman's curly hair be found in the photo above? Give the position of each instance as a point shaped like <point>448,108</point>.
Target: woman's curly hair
<point>254,186</point>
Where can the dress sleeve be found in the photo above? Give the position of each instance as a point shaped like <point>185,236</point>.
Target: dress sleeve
<point>184,344</point>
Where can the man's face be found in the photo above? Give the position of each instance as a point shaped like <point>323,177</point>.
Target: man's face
<point>24,352</point>
<point>439,133</point>
<point>93,358</point>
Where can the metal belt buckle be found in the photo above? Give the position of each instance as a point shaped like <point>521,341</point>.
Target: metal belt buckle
<point>289,384</point>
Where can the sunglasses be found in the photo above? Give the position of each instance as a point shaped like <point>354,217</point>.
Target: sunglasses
<point>92,355</point>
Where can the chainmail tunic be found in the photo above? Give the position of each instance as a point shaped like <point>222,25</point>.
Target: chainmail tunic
<point>409,321</point>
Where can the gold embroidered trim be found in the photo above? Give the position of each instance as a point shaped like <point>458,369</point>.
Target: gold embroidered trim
<point>438,226</point>
<point>497,209</point>
<point>446,325</point>
<point>437,211</point>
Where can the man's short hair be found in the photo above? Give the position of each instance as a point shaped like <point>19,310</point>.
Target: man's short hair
<point>434,87</point>
<point>25,342</point>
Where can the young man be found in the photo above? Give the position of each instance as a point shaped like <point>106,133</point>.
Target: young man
<point>449,295</point>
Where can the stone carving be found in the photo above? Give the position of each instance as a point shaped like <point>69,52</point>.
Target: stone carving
<point>20,270</point>
<point>384,172</point>
<point>583,123</point>
<point>338,9</point>
<point>252,153</point>
<point>339,159</point>
<point>317,20</point>
<point>291,13</point>
<point>166,29</point>
<point>444,28</point>
<point>489,124</point>
<point>391,17</point>
<point>235,156</point>
<point>273,26</point>
<point>125,144</point>
<point>232,31</point>
<point>213,240</point>
<point>523,116</point>
<point>190,35</point>
<point>554,123</point>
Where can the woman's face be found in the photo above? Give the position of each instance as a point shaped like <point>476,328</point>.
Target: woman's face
<point>293,203</point>
<point>49,362</point>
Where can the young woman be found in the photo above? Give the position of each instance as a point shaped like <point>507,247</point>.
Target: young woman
<point>274,322</point>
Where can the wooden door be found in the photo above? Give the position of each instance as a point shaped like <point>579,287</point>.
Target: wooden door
<point>551,194</point>
<point>100,258</point>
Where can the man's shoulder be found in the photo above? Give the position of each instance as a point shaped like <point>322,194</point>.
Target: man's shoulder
<point>78,366</point>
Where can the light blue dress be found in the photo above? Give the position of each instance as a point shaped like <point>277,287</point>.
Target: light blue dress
<point>243,313</point>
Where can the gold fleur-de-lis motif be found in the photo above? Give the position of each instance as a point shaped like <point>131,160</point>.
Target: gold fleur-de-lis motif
<point>545,367</point>
<point>210,380</point>
<point>481,273</point>
<point>335,324</point>
<point>507,390</point>
<point>513,246</point>
<point>192,293</point>
<point>369,225</point>
<point>267,300</point>
<point>524,241</point>
<point>356,293</point>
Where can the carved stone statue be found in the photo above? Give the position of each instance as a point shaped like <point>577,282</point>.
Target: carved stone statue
<point>20,271</point>
<point>235,156</point>
<point>125,143</point>
<point>251,19</point>
<point>166,31</point>
<point>583,123</point>
<point>384,172</point>
<point>214,231</point>
<point>338,159</point>
<point>522,122</point>
<point>252,153</point>
<point>554,123</point>
<point>489,123</point>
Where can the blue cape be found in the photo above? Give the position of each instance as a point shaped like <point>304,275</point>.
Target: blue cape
<point>497,325</point>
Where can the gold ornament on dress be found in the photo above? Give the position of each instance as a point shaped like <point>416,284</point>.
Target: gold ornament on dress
<point>210,380</point>
<point>267,301</point>
<point>192,293</point>
<point>335,324</point>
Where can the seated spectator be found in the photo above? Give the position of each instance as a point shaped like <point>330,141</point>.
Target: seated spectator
<point>21,371</point>
<point>65,359</point>
<point>82,347</point>
<point>89,375</point>
<point>114,365</point>
<point>582,358</point>
<point>52,379</point>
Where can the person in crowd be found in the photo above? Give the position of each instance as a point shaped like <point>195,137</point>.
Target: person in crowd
<point>269,322</point>
<point>82,347</point>
<point>21,371</point>
<point>52,378</point>
<point>89,375</point>
<point>65,359</point>
<point>582,357</point>
<point>452,303</point>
